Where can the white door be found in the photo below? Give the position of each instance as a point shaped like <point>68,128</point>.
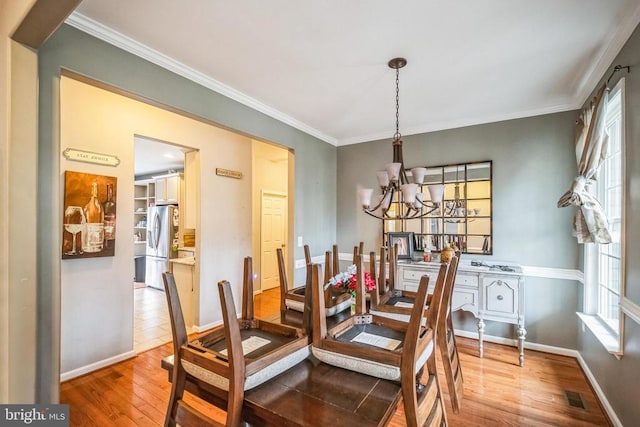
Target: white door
<point>273,236</point>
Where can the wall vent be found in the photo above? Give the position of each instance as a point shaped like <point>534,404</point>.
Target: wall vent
<point>574,399</point>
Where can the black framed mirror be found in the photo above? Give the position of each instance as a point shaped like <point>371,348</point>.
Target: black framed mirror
<point>465,218</point>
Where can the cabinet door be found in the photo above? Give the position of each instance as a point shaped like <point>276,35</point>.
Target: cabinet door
<point>173,189</point>
<point>501,296</point>
<point>161,191</point>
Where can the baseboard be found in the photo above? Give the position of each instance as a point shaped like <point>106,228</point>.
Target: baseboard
<point>202,328</point>
<point>601,396</point>
<point>514,343</point>
<point>65,376</point>
<point>554,350</point>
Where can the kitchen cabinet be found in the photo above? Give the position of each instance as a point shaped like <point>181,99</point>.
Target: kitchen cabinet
<point>183,273</point>
<point>143,197</point>
<point>168,189</point>
<point>192,189</point>
<point>488,293</point>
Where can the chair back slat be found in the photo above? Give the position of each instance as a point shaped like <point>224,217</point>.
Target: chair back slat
<point>336,260</point>
<point>318,304</point>
<point>375,295</point>
<point>328,271</point>
<point>382,277</point>
<point>247,289</point>
<point>361,290</point>
<point>282,274</point>
<point>307,254</point>
<point>393,266</point>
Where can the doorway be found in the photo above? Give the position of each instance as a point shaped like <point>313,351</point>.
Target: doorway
<point>159,186</point>
<point>272,213</point>
<point>273,232</point>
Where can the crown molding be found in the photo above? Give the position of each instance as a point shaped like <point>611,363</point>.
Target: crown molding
<point>127,44</point>
<point>460,123</point>
<point>592,77</point>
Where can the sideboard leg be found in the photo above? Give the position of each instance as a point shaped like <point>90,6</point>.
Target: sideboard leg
<point>522,333</point>
<point>480,337</point>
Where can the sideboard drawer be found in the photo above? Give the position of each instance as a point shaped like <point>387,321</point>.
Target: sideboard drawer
<point>416,275</point>
<point>470,280</point>
<point>413,274</point>
<point>464,299</point>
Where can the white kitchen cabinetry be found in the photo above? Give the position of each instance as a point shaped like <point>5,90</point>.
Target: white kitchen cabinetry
<point>487,293</point>
<point>168,189</point>
<point>191,189</point>
<point>183,272</point>
<point>144,196</point>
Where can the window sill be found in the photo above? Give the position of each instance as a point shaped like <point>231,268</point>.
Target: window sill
<point>607,338</point>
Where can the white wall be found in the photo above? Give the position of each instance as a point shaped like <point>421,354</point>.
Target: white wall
<point>18,153</point>
<point>97,294</point>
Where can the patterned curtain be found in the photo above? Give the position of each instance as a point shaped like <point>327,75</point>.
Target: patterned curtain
<point>590,223</point>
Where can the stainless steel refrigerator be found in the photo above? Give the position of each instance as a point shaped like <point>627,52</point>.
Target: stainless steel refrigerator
<point>162,242</point>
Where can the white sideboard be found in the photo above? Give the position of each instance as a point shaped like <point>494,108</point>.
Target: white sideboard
<point>487,293</point>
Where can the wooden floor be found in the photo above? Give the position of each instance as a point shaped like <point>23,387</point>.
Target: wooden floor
<point>497,392</point>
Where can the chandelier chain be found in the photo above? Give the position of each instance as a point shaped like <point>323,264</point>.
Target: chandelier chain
<point>397,135</point>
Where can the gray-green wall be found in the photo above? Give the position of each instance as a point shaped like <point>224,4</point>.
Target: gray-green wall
<point>619,379</point>
<point>533,164</point>
<point>315,161</point>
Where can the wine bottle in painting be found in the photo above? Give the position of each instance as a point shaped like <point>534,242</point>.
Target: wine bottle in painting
<point>109,217</point>
<point>93,239</point>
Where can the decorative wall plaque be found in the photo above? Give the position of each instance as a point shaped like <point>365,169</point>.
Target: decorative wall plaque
<point>228,173</point>
<point>91,157</point>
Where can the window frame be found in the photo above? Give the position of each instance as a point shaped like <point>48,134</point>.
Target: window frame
<point>599,326</point>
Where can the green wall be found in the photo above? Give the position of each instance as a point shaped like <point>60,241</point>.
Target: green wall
<point>533,164</point>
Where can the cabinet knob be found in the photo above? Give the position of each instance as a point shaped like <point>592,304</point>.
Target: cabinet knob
<point>500,297</point>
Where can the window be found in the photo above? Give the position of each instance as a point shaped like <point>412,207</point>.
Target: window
<point>604,264</point>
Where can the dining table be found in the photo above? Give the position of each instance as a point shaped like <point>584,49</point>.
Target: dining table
<point>310,393</point>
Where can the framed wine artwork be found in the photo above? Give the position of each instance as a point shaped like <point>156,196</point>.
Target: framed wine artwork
<point>89,215</point>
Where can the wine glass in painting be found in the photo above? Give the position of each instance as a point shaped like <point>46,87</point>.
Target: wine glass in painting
<point>74,221</point>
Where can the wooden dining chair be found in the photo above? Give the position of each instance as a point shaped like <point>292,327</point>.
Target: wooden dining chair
<point>387,348</point>
<point>179,412</point>
<point>399,305</point>
<point>293,299</point>
<point>236,357</point>
<point>446,339</point>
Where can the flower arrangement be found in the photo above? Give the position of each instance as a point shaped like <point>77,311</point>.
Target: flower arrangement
<point>348,280</point>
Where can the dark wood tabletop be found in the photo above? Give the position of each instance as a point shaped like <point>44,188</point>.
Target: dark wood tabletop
<point>310,394</point>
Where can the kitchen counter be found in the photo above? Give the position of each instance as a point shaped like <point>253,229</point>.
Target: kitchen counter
<point>190,260</point>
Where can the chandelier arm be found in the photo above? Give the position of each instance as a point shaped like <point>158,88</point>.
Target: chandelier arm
<point>373,215</point>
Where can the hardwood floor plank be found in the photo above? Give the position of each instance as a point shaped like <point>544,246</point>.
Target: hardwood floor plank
<point>497,392</point>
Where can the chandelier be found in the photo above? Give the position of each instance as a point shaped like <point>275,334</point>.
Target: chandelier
<point>394,185</point>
